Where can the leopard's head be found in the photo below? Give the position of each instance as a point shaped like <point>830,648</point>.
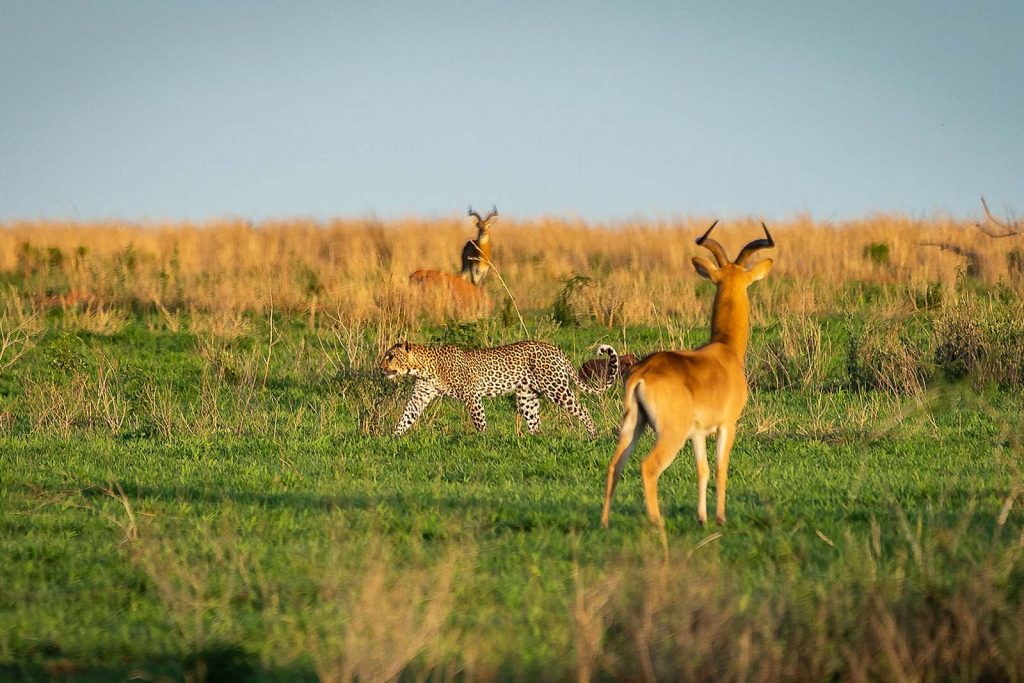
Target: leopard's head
<point>400,359</point>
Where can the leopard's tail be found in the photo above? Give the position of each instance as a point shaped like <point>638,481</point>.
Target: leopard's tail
<point>610,376</point>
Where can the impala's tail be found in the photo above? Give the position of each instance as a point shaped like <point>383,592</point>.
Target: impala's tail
<point>610,376</point>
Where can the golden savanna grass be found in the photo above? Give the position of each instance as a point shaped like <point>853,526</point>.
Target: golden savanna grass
<point>357,270</point>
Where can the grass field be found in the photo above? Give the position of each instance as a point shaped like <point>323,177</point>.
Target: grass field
<point>198,483</point>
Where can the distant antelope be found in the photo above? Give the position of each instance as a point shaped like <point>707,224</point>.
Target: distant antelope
<point>464,289</point>
<point>476,254</point>
<point>687,395</point>
<point>461,292</point>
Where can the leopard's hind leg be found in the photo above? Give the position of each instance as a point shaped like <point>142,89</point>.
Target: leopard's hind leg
<point>529,407</point>
<point>559,392</point>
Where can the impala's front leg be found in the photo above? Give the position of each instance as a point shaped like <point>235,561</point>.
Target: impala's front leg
<point>422,394</point>
<point>723,445</point>
<point>700,456</point>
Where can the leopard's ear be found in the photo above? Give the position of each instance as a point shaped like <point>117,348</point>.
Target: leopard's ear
<point>405,346</point>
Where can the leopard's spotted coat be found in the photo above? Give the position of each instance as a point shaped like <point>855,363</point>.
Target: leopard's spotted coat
<point>528,369</point>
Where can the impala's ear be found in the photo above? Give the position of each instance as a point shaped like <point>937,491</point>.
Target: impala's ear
<point>705,268</point>
<point>760,269</point>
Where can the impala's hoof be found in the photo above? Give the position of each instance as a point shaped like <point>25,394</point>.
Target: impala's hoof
<point>720,521</point>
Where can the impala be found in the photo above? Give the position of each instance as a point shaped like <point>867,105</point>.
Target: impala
<point>687,395</point>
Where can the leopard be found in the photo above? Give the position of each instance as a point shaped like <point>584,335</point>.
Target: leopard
<point>527,369</point>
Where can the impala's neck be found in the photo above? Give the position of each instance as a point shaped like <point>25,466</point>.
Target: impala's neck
<point>730,318</point>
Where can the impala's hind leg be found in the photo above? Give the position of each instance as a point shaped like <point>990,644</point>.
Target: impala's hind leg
<point>666,448</point>
<point>529,407</point>
<point>634,422</point>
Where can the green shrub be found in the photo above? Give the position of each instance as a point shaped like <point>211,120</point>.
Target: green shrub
<point>798,358</point>
<point>882,358</point>
<point>562,309</point>
<point>985,343</point>
<point>471,333</point>
<point>930,297</point>
<point>877,253</point>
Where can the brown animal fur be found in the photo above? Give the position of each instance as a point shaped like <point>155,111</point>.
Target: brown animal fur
<point>459,291</point>
<point>596,369</point>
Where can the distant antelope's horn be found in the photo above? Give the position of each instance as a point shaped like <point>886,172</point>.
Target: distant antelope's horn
<point>473,213</point>
<point>713,246</point>
<point>749,250</point>
<point>492,214</point>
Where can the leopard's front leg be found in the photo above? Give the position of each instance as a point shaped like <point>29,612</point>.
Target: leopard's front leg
<point>422,394</point>
<point>476,412</point>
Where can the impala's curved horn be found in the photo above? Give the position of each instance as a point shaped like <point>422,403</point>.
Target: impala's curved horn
<point>492,214</point>
<point>474,214</point>
<point>713,246</point>
<point>749,250</point>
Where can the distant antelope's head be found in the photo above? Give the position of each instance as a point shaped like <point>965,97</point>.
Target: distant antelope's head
<point>728,274</point>
<point>476,254</point>
<point>483,225</point>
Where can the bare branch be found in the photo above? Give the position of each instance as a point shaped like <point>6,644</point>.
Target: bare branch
<point>1008,230</point>
<point>973,257</point>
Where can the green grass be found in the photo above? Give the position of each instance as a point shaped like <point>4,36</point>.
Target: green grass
<point>275,531</point>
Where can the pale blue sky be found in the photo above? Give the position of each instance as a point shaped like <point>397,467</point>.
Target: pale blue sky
<point>180,110</point>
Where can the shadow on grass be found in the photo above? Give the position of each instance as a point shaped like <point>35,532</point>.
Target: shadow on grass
<point>221,662</point>
<point>497,515</point>
<point>421,509</point>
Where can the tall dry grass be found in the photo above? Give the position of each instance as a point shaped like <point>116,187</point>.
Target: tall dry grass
<point>357,269</point>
